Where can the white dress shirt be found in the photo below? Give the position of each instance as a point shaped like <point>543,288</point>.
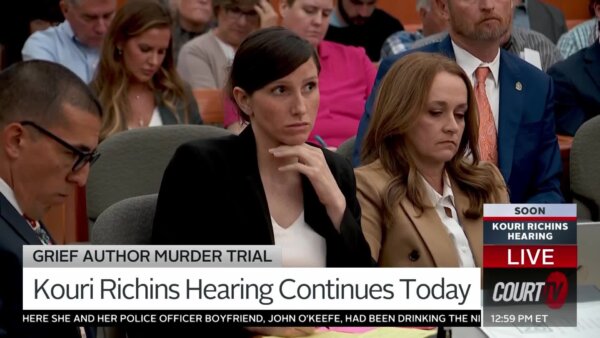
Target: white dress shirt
<point>455,230</point>
<point>9,194</point>
<point>470,63</point>
<point>300,245</point>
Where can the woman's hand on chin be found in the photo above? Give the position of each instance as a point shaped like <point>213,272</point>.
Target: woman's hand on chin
<point>282,331</point>
<point>311,163</point>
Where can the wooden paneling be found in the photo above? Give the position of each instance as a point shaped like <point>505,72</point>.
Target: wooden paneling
<point>405,10</point>
<point>67,222</point>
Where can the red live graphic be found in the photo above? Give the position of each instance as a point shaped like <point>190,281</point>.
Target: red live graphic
<point>530,256</point>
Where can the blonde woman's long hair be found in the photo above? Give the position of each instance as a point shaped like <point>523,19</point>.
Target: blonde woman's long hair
<point>402,98</point>
<point>111,81</point>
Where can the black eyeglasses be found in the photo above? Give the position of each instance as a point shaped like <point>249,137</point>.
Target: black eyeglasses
<point>82,158</point>
<point>237,13</point>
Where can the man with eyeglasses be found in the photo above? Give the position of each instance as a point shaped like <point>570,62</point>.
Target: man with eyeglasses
<point>49,127</point>
<point>204,61</point>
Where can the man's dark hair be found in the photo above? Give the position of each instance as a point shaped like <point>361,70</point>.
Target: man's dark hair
<point>37,90</point>
<point>591,7</point>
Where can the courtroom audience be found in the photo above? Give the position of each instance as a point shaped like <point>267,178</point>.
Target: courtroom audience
<point>76,42</point>
<point>577,85</point>
<point>192,18</point>
<point>205,60</point>
<point>423,185</point>
<point>360,23</point>
<point>346,76</point>
<point>581,36</point>
<point>529,45</point>
<point>432,20</point>
<point>515,100</point>
<point>540,16</point>
<point>136,81</point>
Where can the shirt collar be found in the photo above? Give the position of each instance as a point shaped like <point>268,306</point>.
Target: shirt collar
<point>434,196</point>
<point>9,194</point>
<point>323,50</point>
<point>469,63</point>
<point>68,30</point>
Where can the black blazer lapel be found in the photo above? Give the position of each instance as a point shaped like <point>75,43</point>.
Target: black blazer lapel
<point>249,165</point>
<point>315,213</point>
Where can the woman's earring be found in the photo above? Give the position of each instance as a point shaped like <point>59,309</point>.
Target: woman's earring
<point>119,51</point>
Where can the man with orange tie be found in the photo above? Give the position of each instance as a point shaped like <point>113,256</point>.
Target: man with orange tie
<point>49,128</point>
<point>515,99</point>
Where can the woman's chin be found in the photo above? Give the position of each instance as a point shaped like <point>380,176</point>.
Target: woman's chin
<point>294,141</point>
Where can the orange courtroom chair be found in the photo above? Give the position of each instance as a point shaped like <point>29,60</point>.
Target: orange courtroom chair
<point>210,102</point>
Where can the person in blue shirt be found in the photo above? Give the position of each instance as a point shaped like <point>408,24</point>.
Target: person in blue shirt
<point>75,43</point>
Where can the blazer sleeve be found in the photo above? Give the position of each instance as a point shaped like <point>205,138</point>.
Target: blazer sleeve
<point>503,196</point>
<point>348,247</point>
<point>371,206</point>
<point>569,114</point>
<point>350,230</point>
<point>548,165</point>
<point>180,205</point>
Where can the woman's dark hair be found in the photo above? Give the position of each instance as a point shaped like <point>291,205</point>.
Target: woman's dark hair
<point>265,56</point>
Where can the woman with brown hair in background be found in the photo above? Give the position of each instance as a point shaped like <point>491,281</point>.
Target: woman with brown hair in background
<point>136,81</point>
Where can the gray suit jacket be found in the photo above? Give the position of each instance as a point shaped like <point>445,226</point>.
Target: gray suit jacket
<point>202,62</point>
<point>546,19</point>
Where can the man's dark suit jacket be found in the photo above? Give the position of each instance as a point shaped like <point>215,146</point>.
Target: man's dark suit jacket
<point>528,153</point>
<point>577,81</point>
<point>212,194</point>
<point>15,232</point>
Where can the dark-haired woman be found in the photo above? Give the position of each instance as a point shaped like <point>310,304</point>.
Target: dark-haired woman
<point>267,186</point>
<point>423,187</point>
<point>346,76</point>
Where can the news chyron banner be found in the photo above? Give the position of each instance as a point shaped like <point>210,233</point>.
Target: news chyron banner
<point>235,285</point>
<point>530,265</point>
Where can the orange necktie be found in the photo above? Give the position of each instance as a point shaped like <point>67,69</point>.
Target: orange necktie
<point>488,143</point>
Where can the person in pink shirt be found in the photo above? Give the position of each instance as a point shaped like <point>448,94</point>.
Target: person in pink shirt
<point>346,77</point>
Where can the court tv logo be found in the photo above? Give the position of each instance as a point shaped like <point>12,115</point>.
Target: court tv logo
<point>552,292</point>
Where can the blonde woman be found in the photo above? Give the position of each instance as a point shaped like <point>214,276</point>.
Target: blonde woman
<point>136,81</point>
<point>423,187</point>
